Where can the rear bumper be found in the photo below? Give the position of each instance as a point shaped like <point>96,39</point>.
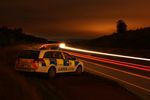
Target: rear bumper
<point>25,70</point>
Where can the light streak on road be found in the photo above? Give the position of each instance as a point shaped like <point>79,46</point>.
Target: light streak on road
<point>63,46</point>
<point>115,62</point>
<point>115,69</point>
<point>136,83</point>
<point>118,79</point>
<point>132,80</point>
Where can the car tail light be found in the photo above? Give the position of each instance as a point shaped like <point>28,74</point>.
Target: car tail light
<point>35,64</point>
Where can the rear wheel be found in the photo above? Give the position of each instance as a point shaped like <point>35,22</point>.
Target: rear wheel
<point>52,72</point>
<point>79,70</point>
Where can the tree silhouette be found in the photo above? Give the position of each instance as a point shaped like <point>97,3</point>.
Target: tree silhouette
<point>121,26</point>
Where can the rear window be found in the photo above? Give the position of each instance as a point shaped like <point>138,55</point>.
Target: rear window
<point>30,54</point>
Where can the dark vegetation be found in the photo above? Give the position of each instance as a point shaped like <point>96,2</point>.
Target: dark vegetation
<point>122,38</point>
<point>133,39</point>
<point>125,42</point>
<point>10,36</point>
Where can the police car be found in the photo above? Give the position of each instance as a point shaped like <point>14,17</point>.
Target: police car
<point>48,61</point>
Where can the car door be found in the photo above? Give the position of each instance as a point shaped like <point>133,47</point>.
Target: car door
<point>69,62</point>
<point>54,58</point>
<point>44,62</point>
<point>59,62</point>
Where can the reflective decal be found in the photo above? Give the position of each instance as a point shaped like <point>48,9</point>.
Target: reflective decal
<point>60,62</point>
<point>71,63</point>
<point>53,61</point>
<point>63,69</point>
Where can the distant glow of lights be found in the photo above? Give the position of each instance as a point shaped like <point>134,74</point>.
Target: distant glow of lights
<point>63,46</point>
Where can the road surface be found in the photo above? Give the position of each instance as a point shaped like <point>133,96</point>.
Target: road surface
<point>134,77</point>
<point>64,87</point>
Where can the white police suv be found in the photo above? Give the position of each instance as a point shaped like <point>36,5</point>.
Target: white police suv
<point>48,61</point>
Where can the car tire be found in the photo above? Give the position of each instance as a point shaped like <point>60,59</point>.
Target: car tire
<point>79,70</point>
<point>52,72</point>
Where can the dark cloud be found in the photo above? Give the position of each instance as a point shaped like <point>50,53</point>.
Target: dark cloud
<point>73,18</point>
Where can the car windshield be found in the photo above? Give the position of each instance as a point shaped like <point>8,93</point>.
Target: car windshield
<point>30,54</point>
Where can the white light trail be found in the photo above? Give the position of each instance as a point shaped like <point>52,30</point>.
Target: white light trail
<point>63,46</point>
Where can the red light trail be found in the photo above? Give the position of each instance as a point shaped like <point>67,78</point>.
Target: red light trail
<point>120,63</point>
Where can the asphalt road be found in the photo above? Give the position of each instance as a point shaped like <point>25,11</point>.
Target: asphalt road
<point>84,87</point>
<point>69,86</point>
<point>134,77</point>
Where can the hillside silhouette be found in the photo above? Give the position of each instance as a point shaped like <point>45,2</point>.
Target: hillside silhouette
<point>10,36</point>
<point>132,39</point>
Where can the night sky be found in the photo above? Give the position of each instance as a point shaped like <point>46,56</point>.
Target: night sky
<point>69,19</point>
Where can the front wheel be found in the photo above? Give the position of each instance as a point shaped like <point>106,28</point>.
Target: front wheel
<point>52,72</point>
<point>79,70</point>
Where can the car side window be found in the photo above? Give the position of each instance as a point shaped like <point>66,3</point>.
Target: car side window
<point>48,55</point>
<point>56,55</point>
<point>67,56</point>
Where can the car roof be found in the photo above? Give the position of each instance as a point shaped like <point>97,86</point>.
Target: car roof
<point>51,50</point>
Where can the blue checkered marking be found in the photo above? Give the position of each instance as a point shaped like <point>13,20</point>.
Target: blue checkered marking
<point>66,62</point>
<point>53,61</point>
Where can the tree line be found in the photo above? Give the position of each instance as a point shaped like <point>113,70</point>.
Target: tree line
<point>122,38</point>
<point>9,36</point>
<point>139,38</point>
